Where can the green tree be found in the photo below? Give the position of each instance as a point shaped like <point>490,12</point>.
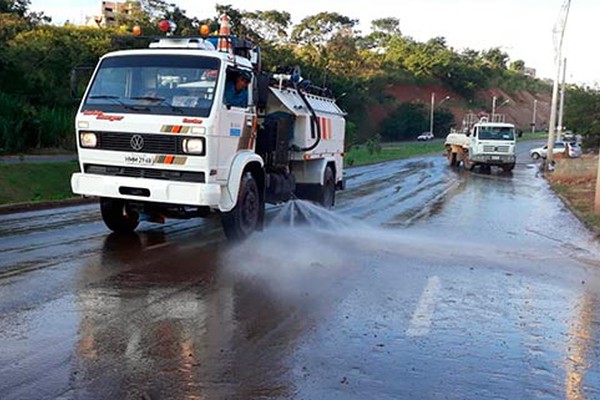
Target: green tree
<point>406,122</point>
<point>443,120</point>
<point>517,65</point>
<point>495,58</point>
<point>20,8</point>
<point>321,28</point>
<point>582,114</point>
<point>269,26</point>
<point>382,31</point>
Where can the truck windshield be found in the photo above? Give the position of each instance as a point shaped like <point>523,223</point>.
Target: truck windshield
<point>496,133</point>
<point>154,84</point>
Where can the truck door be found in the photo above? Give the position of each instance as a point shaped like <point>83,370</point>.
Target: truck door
<point>236,126</point>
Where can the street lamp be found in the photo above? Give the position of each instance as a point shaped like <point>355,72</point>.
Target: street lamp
<point>533,120</point>
<point>494,106</point>
<point>432,109</point>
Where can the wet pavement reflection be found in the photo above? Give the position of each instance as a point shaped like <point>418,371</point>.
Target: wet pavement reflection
<point>425,282</point>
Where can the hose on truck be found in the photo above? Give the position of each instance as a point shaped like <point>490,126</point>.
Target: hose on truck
<point>313,121</point>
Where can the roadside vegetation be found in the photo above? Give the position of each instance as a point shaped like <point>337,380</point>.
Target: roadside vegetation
<point>25,182</point>
<point>365,154</point>
<point>574,180</point>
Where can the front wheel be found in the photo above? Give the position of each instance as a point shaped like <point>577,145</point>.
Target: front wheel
<point>468,164</point>
<point>452,159</point>
<point>117,216</point>
<point>508,167</point>
<point>535,156</point>
<point>245,217</point>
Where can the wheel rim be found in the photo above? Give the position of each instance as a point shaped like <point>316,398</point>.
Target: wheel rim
<point>249,211</point>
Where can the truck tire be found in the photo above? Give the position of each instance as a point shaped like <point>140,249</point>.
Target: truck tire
<point>468,164</point>
<point>327,195</point>
<point>117,216</point>
<point>452,159</point>
<point>508,167</point>
<point>244,219</point>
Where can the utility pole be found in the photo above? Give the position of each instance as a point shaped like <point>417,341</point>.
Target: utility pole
<point>559,30</point>
<point>493,107</point>
<point>562,101</point>
<point>433,108</point>
<point>431,115</point>
<point>533,121</point>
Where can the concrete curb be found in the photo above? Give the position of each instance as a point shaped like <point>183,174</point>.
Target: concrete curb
<point>45,205</point>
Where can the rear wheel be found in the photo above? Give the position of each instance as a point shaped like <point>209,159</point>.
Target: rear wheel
<point>117,216</point>
<point>244,219</point>
<point>327,197</point>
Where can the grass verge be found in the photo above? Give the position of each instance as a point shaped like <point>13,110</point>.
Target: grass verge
<point>533,136</point>
<point>574,181</point>
<point>361,156</point>
<point>24,183</point>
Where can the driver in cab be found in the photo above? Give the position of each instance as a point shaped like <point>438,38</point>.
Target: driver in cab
<point>236,89</point>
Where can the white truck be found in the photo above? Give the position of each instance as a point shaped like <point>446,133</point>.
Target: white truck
<point>156,139</point>
<point>483,144</point>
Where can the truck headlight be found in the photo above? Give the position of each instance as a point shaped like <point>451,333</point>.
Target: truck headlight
<point>88,139</point>
<point>193,146</point>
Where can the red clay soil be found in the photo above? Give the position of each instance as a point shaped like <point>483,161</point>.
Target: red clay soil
<point>519,109</point>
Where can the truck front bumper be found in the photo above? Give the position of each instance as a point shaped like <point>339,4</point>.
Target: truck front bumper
<point>153,190</point>
<point>494,159</point>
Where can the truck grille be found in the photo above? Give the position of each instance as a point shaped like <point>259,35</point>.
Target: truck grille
<point>148,173</point>
<point>495,149</point>
<point>153,144</point>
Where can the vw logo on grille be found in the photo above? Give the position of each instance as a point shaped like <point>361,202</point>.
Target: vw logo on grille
<point>136,142</point>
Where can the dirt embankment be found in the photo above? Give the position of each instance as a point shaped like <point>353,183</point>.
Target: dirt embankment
<point>518,109</point>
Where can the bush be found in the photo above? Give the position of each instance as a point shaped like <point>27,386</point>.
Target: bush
<point>405,122</point>
<point>14,112</point>
<point>374,144</point>
<point>56,127</point>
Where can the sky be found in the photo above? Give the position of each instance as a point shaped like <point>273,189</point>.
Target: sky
<point>521,28</point>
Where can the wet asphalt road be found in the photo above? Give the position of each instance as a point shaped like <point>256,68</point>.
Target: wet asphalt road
<point>425,282</point>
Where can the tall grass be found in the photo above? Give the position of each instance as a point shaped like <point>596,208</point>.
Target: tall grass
<point>23,126</point>
<point>13,113</point>
<point>56,127</point>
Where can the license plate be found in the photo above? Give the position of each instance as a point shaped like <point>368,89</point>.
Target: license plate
<point>495,157</point>
<point>139,159</point>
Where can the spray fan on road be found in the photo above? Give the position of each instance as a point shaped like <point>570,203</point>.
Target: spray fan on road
<point>158,137</point>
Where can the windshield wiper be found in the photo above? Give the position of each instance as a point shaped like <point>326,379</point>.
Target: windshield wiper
<point>104,96</point>
<point>117,99</point>
<point>160,100</point>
